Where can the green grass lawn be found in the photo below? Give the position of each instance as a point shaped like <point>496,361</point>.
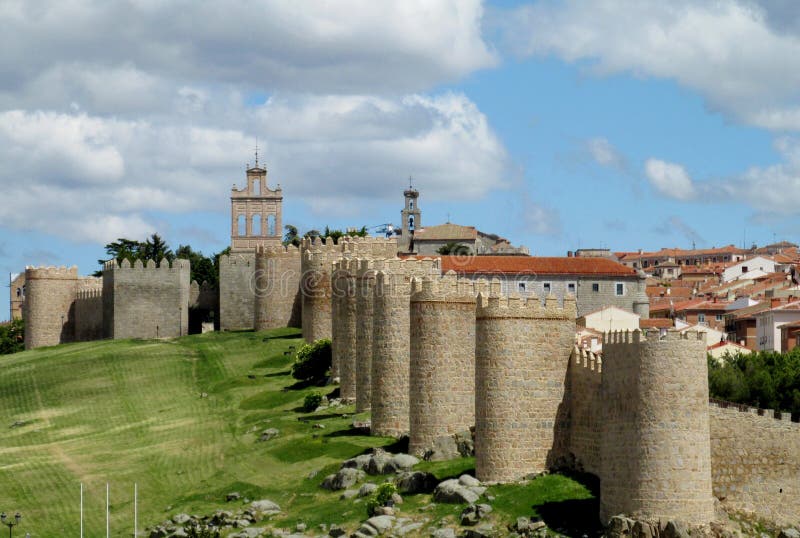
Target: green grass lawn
<point>181,419</point>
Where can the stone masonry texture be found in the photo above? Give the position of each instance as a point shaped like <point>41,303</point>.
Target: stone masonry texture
<point>442,355</point>
<point>655,442</point>
<point>237,291</point>
<point>521,357</point>
<point>49,305</point>
<point>391,366</point>
<point>365,281</point>
<point>277,288</point>
<point>343,342</point>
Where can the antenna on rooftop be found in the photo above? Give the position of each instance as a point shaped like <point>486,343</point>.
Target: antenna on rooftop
<point>256,152</point>
<point>410,182</point>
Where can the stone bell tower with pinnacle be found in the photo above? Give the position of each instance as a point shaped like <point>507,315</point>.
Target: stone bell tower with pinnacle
<point>256,212</point>
<point>411,217</point>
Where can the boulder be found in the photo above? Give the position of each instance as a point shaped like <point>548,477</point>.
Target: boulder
<point>474,513</point>
<point>158,532</point>
<point>348,494</point>
<point>343,479</point>
<point>367,489</point>
<point>269,434</point>
<point>675,529</point>
<point>789,533</point>
<point>468,480</point>
<point>233,496</point>
<point>414,482</point>
<point>265,506</point>
<point>444,533</point>
<point>451,491</point>
<point>402,462</point>
<point>181,519</point>
<point>378,462</point>
<point>359,462</point>
<point>381,523</point>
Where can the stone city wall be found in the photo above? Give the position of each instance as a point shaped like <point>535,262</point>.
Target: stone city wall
<point>146,301</point>
<point>237,291</point>
<point>586,409</point>
<point>277,288</point>
<point>364,283</point>
<point>89,309</point>
<point>390,343</point>
<point>656,456</point>
<point>343,327</point>
<point>442,358</point>
<point>49,305</point>
<point>521,359</point>
<point>755,461</point>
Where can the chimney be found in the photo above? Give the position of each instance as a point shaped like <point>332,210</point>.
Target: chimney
<point>569,254</point>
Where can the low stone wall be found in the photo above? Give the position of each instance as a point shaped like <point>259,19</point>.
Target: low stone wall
<point>755,461</point>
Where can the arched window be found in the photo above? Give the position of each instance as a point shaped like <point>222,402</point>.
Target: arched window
<point>242,225</point>
<point>256,225</point>
<point>411,204</point>
<point>271,225</point>
<point>411,223</point>
<point>19,292</point>
<point>257,186</point>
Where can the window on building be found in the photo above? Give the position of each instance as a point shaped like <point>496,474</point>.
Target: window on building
<point>744,269</point>
<point>242,225</point>
<point>620,288</point>
<point>546,287</point>
<point>271,225</point>
<point>521,287</point>
<point>571,287</point>
<point>19,292</point>
<point>256,225</point>
<point>718,317</point>
<point>701,318</point>
<point>411,204</point>
<point>595,286</point>
<point>257,186</point>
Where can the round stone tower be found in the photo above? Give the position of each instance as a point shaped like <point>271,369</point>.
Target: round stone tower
<point>277,284</point>
<point>364,282</point>
<point>390,344</point>
<point>315,287</point>
<point>343,315</point>
<point>442,357</point>
<point>522,354</point>
<point>656,453</point>
<point>50,294</point>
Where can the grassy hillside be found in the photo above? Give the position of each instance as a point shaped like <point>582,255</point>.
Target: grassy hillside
<point>181,418</point>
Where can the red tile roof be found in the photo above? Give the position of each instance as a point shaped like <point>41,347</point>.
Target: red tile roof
<point>726,343</point>
<point>530,265</point>
<point>655,323</point>
<point>446,232</point>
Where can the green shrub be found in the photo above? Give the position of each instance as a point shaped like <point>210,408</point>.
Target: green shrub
<point>381,497</point>
<point>12,337</point>
<point>311,402</point>
<point>313,361</point>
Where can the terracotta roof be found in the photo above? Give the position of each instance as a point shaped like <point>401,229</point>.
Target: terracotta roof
<point>530,265</point>
<point>726,343</point>
<point>750,311</point>
<point>678,252</point>
<point>794,305</point>
<point>791,325</point>
<point>700,304</point>
<point>678,292</point>
<point>446,232</point>
<point>655,323</point>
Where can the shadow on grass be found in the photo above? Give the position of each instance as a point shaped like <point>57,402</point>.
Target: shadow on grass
<point>300,385</point>
<point>314,418</point>
<point>291,336</point>
<point>279,374</point>
<point>575,517</point>
<point>350,432</point>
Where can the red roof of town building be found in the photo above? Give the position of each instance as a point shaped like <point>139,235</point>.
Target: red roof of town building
<point>535,265</point>
<point>655,323</point>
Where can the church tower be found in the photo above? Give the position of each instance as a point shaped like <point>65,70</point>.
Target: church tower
<point>411,218</point>
<point>256,212</point>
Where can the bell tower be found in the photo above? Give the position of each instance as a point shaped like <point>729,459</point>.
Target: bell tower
<point>256,212</point>
<point>411,217</point>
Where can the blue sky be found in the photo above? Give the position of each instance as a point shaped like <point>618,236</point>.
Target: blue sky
<point>559,125</point>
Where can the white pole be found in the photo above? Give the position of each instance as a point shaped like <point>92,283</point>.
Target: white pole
<point>107,513</point>
<point>135,510</point>
<point>81,509</point>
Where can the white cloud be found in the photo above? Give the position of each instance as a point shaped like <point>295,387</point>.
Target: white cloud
<point>92,178</point>
<point>539,219</point>
<point>113,55</point>
<point>604,153</point>
<point>732,52</point>
<point>670,179</point>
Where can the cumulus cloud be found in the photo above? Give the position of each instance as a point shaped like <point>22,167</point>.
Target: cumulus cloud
<point>743,56</point>
<point>669,179</point>
<point>539,219</point>
<point>94,178</point>
<point>604,153</point>
<point>95,50</point>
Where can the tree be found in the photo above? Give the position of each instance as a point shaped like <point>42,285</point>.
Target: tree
<point>155,248</point>
<point>455,249</point>
<point>292,236</point>
<point>12,337</point>
<point>122,249</point>
<point>203,268</point>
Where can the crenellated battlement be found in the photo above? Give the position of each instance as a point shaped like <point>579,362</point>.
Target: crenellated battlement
<point>495,305</point>
<point>637,336</point>
<point>370,247</point>
<point>446,288</point>
<point>51,273</point>
<point>766,414</point>
<point>150,265</point>
<point>318,245</point>
<point>288,251</point>
<point>587,359</point>
<point>82,295</point>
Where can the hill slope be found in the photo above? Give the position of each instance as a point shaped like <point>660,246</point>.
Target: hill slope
<point>181,418</point>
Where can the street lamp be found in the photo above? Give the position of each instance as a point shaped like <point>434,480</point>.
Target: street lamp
<point>10,523</point>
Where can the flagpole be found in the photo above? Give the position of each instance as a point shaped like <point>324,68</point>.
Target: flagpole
<point>135,510</point>
<point>81,509</point>
<point>107,523</point>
